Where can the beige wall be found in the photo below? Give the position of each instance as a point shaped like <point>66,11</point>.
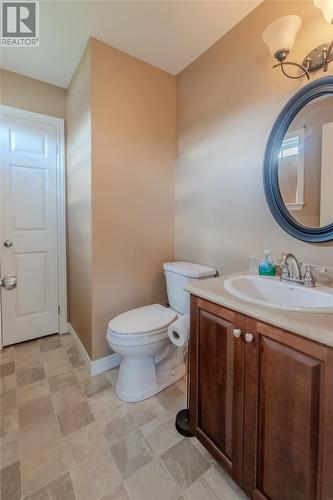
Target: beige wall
<point>121,147</point>
<point>227,101</point>
<point>78,139</point>
<point>26,93</point>
<point>133,155</point>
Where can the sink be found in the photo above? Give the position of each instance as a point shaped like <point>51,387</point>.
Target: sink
<point>271,292</point>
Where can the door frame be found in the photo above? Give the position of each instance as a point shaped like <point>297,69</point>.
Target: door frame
<point>61,206</point>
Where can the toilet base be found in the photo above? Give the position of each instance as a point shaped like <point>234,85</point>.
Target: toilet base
<point>141,378</point>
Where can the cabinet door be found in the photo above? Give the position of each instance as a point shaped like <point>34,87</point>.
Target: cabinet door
<point>286,377</point>
<point>217,383</point>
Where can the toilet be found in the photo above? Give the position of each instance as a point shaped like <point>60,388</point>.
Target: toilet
<point>150,362</point>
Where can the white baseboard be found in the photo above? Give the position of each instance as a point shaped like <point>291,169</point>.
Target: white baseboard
<point>99,365</point>
<point>103,364</point>
<point>84,353</point>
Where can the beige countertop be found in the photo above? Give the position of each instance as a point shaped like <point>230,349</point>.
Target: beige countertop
<point>315,326</point>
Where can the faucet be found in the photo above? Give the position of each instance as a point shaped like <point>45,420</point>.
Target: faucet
<point>287,273</point>
<point>293,274</point>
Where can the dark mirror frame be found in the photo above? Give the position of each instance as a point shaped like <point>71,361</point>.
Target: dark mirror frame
<point>313,90</point>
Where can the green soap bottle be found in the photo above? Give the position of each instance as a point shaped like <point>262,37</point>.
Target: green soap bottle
<point>266,265</point>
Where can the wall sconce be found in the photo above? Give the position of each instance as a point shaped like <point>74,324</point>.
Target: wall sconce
<point>280,38</point>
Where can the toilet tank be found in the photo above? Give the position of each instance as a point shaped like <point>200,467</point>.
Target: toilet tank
<point>180,274</point>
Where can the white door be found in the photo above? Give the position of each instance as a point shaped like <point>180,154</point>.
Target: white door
<point>29,228</point>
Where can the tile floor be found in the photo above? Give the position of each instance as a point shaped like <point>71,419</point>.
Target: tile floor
<point>64,435</point>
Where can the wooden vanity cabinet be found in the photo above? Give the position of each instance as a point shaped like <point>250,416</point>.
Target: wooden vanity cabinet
<point>262,404</point>
<point>217,383</point>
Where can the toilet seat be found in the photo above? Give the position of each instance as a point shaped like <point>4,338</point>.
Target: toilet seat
<point>137,339</point>
<point>146,321</point>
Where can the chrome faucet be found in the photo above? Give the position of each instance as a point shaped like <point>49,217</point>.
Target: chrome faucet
<point>293,273</point>
<point>288,273</point>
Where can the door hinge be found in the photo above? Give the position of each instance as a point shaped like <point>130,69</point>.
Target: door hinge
<point>58,309</point>
<point>57,149</point>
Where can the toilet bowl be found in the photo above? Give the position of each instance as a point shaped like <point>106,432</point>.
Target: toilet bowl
<point>150,362</point>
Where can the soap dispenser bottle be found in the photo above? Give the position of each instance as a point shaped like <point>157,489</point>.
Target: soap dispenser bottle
<point>266,265</point>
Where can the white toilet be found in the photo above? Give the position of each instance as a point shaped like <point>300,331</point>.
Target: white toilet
<point>150,362</point>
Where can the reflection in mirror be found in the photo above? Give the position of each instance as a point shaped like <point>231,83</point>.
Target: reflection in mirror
<point>305,169</point>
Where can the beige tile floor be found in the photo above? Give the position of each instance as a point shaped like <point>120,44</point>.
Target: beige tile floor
<point>64,435</point>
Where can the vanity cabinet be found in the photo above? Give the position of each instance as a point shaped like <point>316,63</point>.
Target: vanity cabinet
<point>217,383</point>
<point>261,401</point>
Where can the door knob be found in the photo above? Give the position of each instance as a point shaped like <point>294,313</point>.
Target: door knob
<point>9,282</point>
<point>237,333</point>
<point>7,243</point>
<point>249,337</point>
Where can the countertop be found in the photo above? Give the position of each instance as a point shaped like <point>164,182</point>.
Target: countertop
<point>315,326</point>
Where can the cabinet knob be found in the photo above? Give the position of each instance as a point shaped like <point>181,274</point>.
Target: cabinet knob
<point>237,333</point>
<point>249,337</point>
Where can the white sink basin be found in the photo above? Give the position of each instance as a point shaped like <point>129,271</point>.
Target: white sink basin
<point>272,292</point>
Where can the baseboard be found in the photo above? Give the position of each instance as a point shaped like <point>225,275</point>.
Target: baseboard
<point>98,365</point>
<point>103,364</point>
<point>78,342</point>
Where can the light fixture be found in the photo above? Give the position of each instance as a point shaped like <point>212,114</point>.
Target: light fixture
<point>326,6</point>
<point>280,38</point>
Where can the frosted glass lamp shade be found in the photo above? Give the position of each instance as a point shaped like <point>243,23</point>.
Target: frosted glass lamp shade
<point>326,6</point>
<point>281,34</point>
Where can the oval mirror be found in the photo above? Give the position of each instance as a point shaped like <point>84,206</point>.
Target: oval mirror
<point>298,168</point>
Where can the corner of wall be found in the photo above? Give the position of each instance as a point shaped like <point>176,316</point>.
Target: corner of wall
<point>78,177</point>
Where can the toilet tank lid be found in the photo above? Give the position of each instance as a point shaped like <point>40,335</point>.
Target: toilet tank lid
<point>189,269</point>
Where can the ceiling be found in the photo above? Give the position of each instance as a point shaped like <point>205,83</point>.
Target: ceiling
<point>168,34</point>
